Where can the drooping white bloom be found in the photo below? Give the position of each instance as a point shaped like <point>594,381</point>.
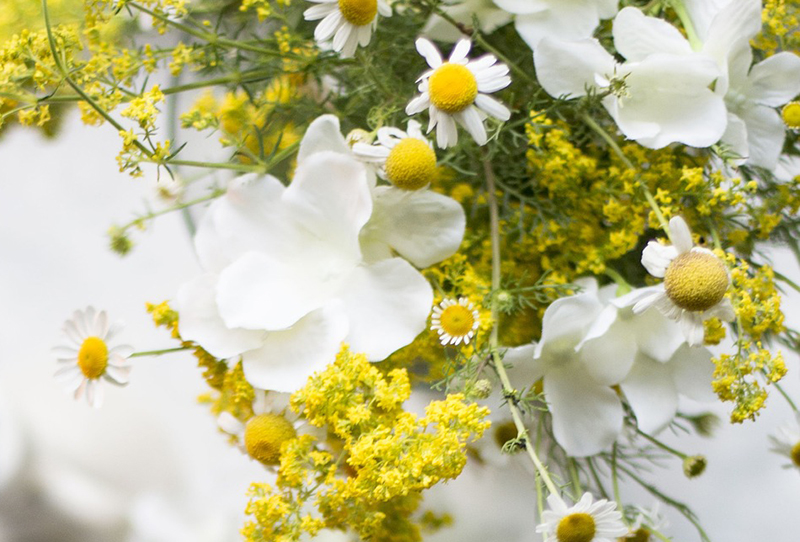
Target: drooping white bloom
<point>457,91</point>
<point>786,442</point>
<point>347,23</point>
<point>587,413</point>
<point>695,282</point>
<point>655,99</point>
<point>422,226</point>
<point>89,357</point>
<point>285,280</point>
<point>563,19</point>
<point>585,521</point>
<point>455,321</point>
<point>486,12</point>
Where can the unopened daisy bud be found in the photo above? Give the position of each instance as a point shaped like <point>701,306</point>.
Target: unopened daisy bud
<point>705,424</point>
<point>481,389</point>
<point>694,466</point>
<point>504,301</point>
<point>119,242</point>
<point>264,434</point>
<point>640,535</point>
<point>791,115</point>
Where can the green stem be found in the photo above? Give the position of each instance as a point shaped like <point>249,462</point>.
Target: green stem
<point>244,168</point>
<point>615,477</point>
<point>576,481</point>
<point>786,280</point>
<point>661,445</point>
<point>785,396</point>
<point>158,352</point>
<point>178,207</point>
<point>686,21</point>
<point>596,477</point>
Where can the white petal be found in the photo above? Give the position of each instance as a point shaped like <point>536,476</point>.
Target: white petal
<point>566,322</point>
<point>327,27</point>
<point>657,257</point>
<point>587,417</point>
<point>422,226</point>
<point>656,335</point>
<point>652,299</point>
<point>776,80</point>
<point>460,51</point>
<point>200,321</point>
<point>737,20</point>
<point>387,304</point>
<point>651,393</point>
<point>319,12</point>
<point>420,103</point>
<point>351,41</point>
<point>735,137</point>
<point>692,327</point>
<point>680,234</point>
<point>384,9</point>
<point>524,371</point>
<point>522,7</point>
<point>471,120</point>
<point>446,131</point>
<point>570,21</point>
<point>228,423</point>
<point>637,36</point>
<point>73,333</point>
<point>289,357</point>
<point>568,68</point>
<point>693,371</point>
<point>323,134</point>
<point>429,52</point>
<point>101,324</point>
<point>364,35</point>
<point>95,393</point>
<point>722,310</point>
<point>765,135</point>
<point>118,375</point>
<point>608,358</point>
<point>492,107</point>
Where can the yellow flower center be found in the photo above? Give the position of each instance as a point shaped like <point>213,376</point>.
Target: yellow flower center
<point>411,164</point>
<point>576,528</point>
<point>641,535</point>
<point>263,436</point>
<point>796,454</point>
<point>505,432</point>
<point>457,320</point>
<point>93,357</point>
<point>791,115</point>
<point>358,12</point>
<point>696,281</point>
<point>452,88</point>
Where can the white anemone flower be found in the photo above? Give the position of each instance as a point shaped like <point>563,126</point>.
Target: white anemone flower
<point>272,424</point>
<point>587,412</point>
<point>457,91</point>
<point>586,521</point>
<point>564,19</point>
<point>655,99</point>
<point>489,17</point>
<point>786,442</point>
<point>422,226</point>
<point>694,287</point>
<point>285,281</point>
<point>89,358</point>
<point>755,129</point>
<point>347,24</point>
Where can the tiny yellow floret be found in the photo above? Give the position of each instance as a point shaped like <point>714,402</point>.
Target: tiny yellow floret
<point>791,115</point>
<point>411,164</point>
<point>358,12</point>
<point>93,357</point>
<point>457,320</point>
<point>577,527</point>
<point>264,434</point>
<point>452,88</point>
<point>796,454</point>
<point>696,281</point>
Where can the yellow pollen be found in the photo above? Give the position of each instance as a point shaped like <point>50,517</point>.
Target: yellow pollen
<point>93,357</point>
<point>696,281</point>
<point>263,436</point>
<point>791,115</point>
<point>358,12</point>
<point>796,454</point>
<point>411,164</point>
<point>457,320</point>
<point>452,88</point>
<point>577,527</point>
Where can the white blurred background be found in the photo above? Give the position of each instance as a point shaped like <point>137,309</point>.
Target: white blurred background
<point>150,466</point>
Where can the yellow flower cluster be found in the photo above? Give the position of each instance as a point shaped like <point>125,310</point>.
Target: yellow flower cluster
<point>385,456</point>
<point>781,31</point>
<point>263,8</point>
<point>143,108</point>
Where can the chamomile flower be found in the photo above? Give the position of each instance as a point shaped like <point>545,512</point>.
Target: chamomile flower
<point>791,115</point>
<point>455,321</point>
<point>695,282</point>
<point>88,357</point>
<point>786,442</point>
<point>586,521</point>
<point>405,159</point>
<point>348,23</point>
<point>272,424</point>
<point>457,91</point>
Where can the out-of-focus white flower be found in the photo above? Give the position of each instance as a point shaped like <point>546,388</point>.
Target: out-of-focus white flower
<point>563,19</point>
<point>586,521</point>
<point>348,23</point>
<point>786,442</point>
<point>285,281</point>
<point>89,357</point>
<point>422,226</point>
<point>272,424</point>
<point>488,15</point>
<point>695,282</point>
<point>455,321</point>
<point>457,91</point>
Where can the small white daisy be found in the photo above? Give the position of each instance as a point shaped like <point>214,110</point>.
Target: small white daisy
<point>457,91</point>
<point>586,521</point>
<point>695,282</point>
<point>786,442</point>
<point>89,358</point>
<point>272,424</point>
<point>348,23</point>
<point>646,521</point>
<point>456,321</point>
<point>405,159</point>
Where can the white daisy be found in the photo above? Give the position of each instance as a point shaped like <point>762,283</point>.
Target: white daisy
<point>695,282</point>
<point>457,91</point>
<point>405,159</point>
<point>456,321</point>
<point>88,358</point>
<point>586,521</point>
<point>786,442</point>
<point>348,23</point>
<point>272,424</point>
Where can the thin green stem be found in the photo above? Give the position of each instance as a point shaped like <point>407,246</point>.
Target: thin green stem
<point>615,477</point>
<point>178,207</point>
<point>158,352</point>
<point>785,396</point>
<point>686,21</point>
<point>786,280</point>
<point>663,446</point>
<point>576,480</point>
<point>596,477</point>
